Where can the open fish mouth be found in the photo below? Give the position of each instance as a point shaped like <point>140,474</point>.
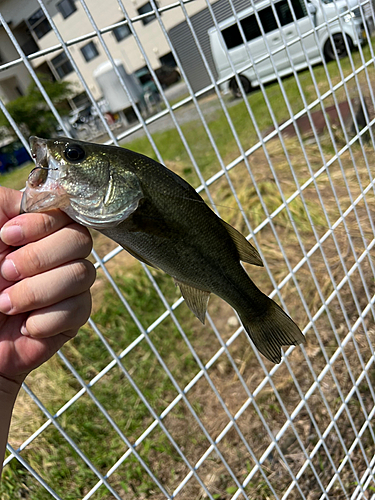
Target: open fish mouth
<point>43,190</point>
<point>86,188</point>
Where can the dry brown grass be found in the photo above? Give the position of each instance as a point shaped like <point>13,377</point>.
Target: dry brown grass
<point>350,245</point>
<point>275,402</point>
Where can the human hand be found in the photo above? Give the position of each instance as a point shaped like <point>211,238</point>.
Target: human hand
<point>44,286</point>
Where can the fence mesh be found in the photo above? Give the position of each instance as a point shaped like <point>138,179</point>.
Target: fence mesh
<point>146,402</point>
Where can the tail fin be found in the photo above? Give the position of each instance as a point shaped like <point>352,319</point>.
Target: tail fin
<point>272,330</point>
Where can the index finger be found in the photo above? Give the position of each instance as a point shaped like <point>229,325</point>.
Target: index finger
<point>27,228</point>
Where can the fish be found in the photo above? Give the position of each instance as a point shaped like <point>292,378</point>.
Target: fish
<point>162,221</point>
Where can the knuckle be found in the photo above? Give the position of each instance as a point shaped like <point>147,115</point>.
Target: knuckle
<point>83,272</point>
<point>83,239</point>
<point>31,259</point>
<point>23,296</point>
<point>79,271</point>
<point>47,224</point>
<point>30,294</point>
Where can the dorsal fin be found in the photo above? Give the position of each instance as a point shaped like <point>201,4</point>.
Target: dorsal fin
<point>245,249</point>
<point>195,299</point>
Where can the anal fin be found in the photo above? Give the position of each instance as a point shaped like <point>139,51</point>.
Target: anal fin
<point>245,249</point>
<point>196,299</point>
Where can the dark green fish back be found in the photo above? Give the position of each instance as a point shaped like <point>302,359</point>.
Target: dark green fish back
<point>161,220</point>
<point>175,230</point>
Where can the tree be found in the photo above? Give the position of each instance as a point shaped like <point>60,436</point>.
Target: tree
<point>31,112</point>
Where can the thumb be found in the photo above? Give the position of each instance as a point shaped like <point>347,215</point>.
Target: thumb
<point>10,202</point>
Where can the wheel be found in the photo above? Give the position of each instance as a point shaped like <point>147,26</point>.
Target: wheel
<point>235,89</point>
<point>339,41</point>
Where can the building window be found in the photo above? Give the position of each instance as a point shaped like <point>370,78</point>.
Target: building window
<point>122,32</point>
<point>81,100</point>
<point>89,51</point>
<point>29,46</point>
<point>62,65</point>
<point>66,7</point>
<point>147,7</point>
<point>168,60</point>
<point>39,23</point>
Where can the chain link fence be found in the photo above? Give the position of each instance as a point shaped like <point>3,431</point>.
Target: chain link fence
<point>275,130</point>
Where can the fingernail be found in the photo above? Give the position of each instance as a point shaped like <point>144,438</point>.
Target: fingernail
<point>24,330</point>
<point>5,303</point>
<point>11,235</point>
<point>9,270</point>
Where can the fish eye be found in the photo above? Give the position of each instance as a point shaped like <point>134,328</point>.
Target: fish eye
<point>74,153</point>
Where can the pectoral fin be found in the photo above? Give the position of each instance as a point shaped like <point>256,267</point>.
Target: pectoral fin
<point>246,251</point>
<point>195,299</point>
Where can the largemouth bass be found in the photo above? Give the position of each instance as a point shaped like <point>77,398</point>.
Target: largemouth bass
<point>161,220</point>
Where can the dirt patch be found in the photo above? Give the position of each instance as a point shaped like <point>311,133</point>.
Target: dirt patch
<point>337,116</point>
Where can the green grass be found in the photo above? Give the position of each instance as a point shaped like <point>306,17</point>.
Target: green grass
<point>16,179</point>
<point>173,151</point>
<point>50,454</point>
<point>83,421</point>
<point>171,147</point>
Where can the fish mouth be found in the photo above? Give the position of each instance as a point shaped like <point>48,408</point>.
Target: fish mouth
<point>43,191</point>
<point>39,151</point>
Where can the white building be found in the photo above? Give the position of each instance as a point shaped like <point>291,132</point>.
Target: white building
<point>34,32</point>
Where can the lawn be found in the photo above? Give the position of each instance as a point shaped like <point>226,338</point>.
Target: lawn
<point>277,173</point>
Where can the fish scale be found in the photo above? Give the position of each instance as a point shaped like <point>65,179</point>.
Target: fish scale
<point>161,220</point>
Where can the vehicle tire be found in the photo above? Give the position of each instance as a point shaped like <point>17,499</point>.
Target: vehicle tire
<point>235,89</point>
<point>339,41</point>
